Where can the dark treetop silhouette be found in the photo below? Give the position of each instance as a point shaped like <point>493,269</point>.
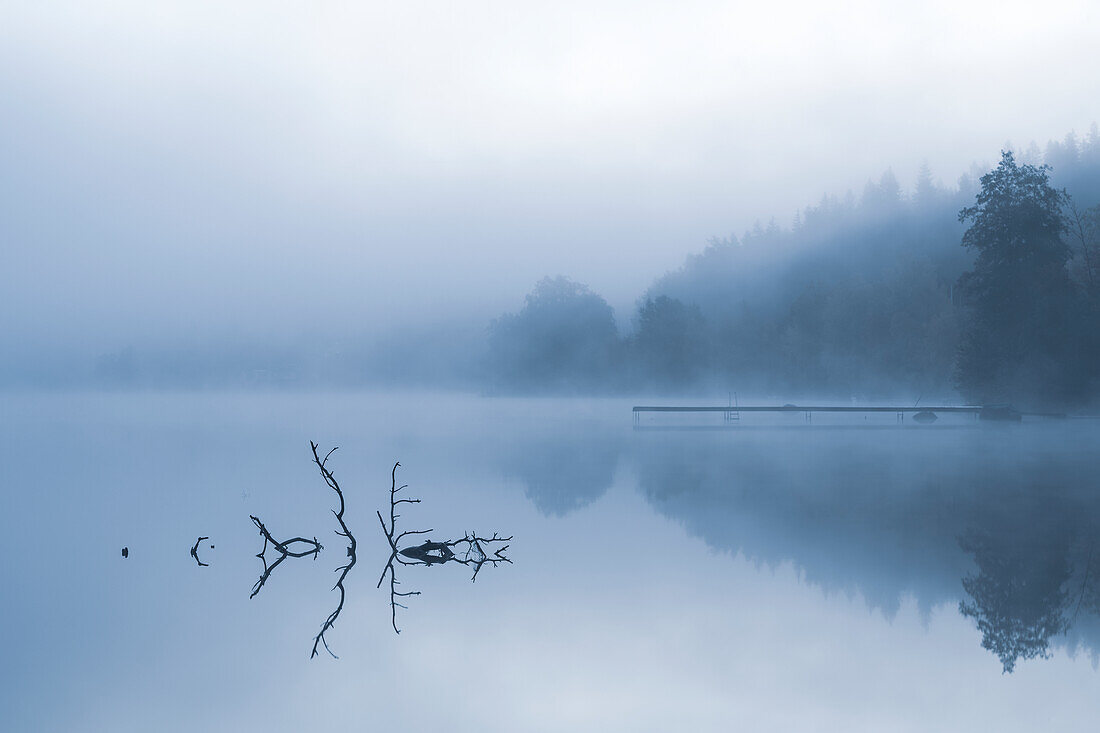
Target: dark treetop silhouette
<point>470,550</point>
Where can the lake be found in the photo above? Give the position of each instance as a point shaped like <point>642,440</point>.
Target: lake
<point>769,576</point>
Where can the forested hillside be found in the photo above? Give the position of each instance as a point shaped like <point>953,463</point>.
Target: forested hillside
<point>861,295</point>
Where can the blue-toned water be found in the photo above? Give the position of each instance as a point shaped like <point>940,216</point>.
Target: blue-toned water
<point>757,578</point>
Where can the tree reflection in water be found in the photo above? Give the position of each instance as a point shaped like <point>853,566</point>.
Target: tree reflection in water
<point>1033,579</point>
<point>1004,526</point>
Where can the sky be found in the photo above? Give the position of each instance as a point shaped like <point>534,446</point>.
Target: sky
<point>201,170</point>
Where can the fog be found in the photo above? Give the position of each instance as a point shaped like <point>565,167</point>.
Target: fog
<point>746,356</point>
<point>191,181</point>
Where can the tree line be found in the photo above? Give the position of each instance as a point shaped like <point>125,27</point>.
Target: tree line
<point>990,288</point>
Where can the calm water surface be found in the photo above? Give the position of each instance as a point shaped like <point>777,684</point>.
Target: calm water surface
<point>769,577</point>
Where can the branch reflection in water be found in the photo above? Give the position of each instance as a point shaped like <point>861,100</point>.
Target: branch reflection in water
<point>195,552</point>
<point>470,550</point>
<point>285,548</point>
<point>331,482</point>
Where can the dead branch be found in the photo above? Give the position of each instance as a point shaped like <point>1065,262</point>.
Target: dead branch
<point>393,541</point>
<point>471,550</point>
<point>285,549</point>
<point>476,555</point>
<point>395,594</point>
<point>195,552</point>
<point>1083,227</point>
<point>343,532</point>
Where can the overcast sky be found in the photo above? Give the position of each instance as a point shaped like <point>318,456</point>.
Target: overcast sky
<point>229,167</point>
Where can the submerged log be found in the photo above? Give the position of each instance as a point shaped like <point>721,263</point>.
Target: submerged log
<point>429,552</point>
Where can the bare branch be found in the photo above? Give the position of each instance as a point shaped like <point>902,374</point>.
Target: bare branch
<point>395,553</point>
<point>284,549</point>
<point>1083,226</point>
<point>195,552</point>
<point>343,532</point>
<point>470,550</point>
<point>475,555</point>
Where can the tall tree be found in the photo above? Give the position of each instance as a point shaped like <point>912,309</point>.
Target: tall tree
<point>1017,344</point>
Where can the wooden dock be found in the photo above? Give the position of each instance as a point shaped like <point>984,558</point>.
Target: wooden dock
<point>926,414</point>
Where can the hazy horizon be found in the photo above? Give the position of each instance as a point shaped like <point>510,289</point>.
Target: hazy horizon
<point>495,252</point>
<point>348,170</point>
